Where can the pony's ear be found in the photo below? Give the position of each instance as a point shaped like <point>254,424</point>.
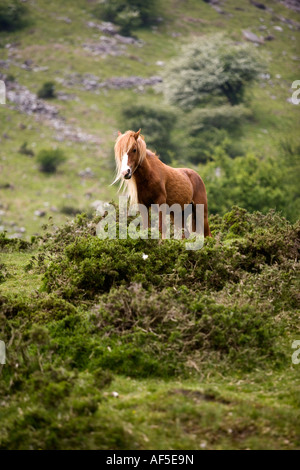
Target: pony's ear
<point>136,134</point>
<point>119,133</point>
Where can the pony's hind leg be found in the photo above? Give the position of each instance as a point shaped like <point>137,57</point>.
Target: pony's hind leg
<point>188,225</point>
<point>203,227</point>
<point>179,224</point>
<point>199,197</point>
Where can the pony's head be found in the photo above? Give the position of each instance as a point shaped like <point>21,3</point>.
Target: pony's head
<point>130,151</point>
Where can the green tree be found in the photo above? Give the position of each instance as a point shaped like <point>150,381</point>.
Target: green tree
<point>210,68</point>
<point>208,128</point>
<point>156,123</point>
<point>252,183</point>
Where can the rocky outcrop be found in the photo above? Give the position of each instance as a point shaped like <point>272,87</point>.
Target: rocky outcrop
<point>23,100</point>
<point>91,82</point>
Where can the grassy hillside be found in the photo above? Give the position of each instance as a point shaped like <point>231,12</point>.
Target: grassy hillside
<point>108,349</point>
<point>57,44</point>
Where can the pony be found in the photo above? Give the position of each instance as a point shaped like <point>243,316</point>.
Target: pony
<point>150,181</point>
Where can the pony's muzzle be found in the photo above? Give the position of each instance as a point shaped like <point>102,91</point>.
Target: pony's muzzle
<point>127,173</point>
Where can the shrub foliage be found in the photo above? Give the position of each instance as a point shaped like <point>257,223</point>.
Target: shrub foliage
<point>156,123</point>
<point>128,14</point>
<point>47,91</point>
<point>210,68</point>
<point>12,15</point>
<point>50,159</point>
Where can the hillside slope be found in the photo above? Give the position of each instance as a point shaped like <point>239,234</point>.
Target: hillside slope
<point>97,73</point>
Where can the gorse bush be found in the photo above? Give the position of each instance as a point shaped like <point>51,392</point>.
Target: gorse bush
<point>70,210</point>
<point>128,14</point>
<point>210,68</point>
<point>3,273</point>
<point>47,91</point>
<point>12,15</point>
<point>49,160</point>
<point>156,123</point>
<point>7,244</point>
<point>89,266</point>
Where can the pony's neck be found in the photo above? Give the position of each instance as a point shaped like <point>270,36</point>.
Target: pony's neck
<point>143,170</point>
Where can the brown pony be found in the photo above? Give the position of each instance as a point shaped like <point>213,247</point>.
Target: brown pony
<point>150,181</point>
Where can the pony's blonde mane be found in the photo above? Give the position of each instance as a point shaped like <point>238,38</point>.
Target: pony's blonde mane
<point>123,144</point>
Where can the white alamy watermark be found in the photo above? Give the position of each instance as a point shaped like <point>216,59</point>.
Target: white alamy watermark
<point>296,354</point>
<point>2,352</point>
<point>2,92</point>
<point>188,222</point>
<point>295,99</point>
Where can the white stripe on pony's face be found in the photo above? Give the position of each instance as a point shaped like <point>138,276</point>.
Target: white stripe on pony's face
<point>125,169</point>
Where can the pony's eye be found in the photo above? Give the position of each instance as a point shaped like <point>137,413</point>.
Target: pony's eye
<point>134,150</point>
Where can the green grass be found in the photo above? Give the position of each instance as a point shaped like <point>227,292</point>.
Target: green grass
<point>19,281</point>
<point>215,413</point>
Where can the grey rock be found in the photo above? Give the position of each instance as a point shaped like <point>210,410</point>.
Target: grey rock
<point>66,96</point>
<point>92,83</point>
<point>87,173</point>
<point>65,19</point>
<point>291,4</point>
<point>288,21</point>
<point>40,69</point>
<point>4,64</point>
<point>106,46</point>
<point>16,235</point>
<point>40,213</point>
<point>252,37</point>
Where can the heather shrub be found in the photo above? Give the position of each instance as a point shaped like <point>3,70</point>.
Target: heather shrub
<point>50,159</point>
<point>12,15</point>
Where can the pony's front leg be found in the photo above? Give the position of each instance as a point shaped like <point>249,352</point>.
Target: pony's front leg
<point>162,222</point>
<point>161,206</point>
<point>145,218</point>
